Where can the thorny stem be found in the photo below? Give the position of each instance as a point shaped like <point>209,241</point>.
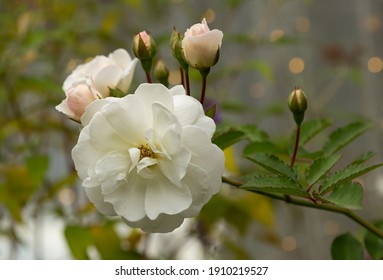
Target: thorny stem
<point>295,151</point>
<point>300,202</point>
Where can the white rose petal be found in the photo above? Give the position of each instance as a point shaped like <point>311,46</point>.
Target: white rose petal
<point>148,157</point>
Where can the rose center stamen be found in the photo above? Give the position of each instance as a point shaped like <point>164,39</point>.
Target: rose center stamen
<point>146,151</point>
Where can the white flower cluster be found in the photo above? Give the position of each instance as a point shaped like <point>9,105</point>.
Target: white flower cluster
<point>148,156</point>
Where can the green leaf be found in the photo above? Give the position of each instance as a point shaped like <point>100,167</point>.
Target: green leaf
<point>275,184</point>
<point>363,158</point>
<point>346,247</point>
<point>273,164</point>
<point>343,136</point>
<point>374,244</point>
<point>311,128</point>
<point>78,239</point>
<point>228,138</point>
<point>232,135</point>
<point>347,195</point>
<point>346,174</point>
<point>261,147</point>
<point>211,111</point>
<point>320,167</point>
<point>253,133</point>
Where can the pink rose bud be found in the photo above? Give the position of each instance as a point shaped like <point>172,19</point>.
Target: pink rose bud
<point>201,46</point>
<point>78,99</point>
<point>144,47</point>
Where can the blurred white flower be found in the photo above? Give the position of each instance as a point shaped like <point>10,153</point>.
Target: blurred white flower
<point>148,157</point>
<point>201,45</point>
<point>92,80</point>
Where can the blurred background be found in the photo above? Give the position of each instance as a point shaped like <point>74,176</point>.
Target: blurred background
<point>332,49</point>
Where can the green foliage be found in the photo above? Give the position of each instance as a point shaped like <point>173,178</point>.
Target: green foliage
<point>374,244</point>
<point>363,158</point>
<point>346,247</point>
<point>324,185</point>
<point>237,211</point>
<point>211,111</point>
<point>348,195</point>
<point>311,128</point>
<point>344,135</point>
<point>103,237</point>
<point>18,183</point>
<point>320,167</point>
<point>228,136</point>
<point>273,164</point>
<point>262,147</point>
<point>347,174</point>
<point>275,184</point>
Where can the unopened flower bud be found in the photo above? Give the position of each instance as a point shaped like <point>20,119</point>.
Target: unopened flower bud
<point>161,73</point>
<point>144,49</point>
<point>144,46</point>
<point>201,46</point>
<point>176,46</point>
<point>78,99</point>
<point>298,104</point>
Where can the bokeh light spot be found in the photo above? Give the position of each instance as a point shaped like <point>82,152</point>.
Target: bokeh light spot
<point>276,34</point>
<point>288,243</point>
<point>372,23</point>
<point>302,24</point>
<point>209,15</point>
<point>375,64</point>
<point>67,196</point>
<point>296,65</point>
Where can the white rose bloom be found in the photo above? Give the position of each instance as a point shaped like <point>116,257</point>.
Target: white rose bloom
<point>92,80</point>
<point>148,157</point>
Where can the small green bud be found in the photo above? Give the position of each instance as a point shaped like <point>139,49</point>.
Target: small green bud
<point>176,46</point>
<point>161,72</point>
<point>298,104</point>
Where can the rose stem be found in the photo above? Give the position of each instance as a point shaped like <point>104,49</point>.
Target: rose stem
<point>332,208</point>
<point>187,81</point>
<point>204,73</point>
<point>294,155</point>
<point>148,78</point>
<point>182,76</point>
